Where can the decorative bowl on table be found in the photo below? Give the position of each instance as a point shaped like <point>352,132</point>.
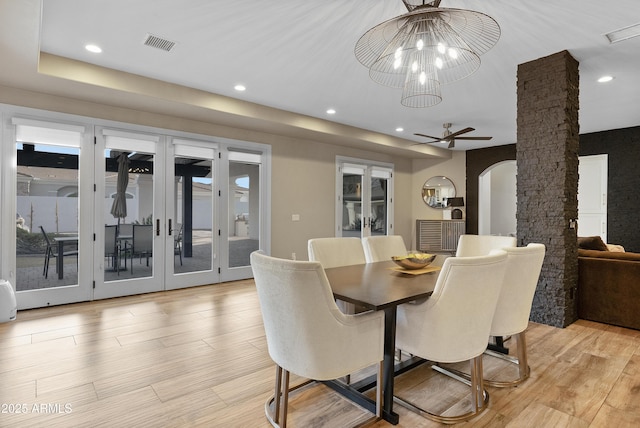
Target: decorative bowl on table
<point>413,260</point>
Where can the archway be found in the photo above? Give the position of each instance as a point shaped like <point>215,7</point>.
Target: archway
<point>497,199</point>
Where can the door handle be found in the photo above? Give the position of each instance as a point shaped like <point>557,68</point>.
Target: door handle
<point>158,227</point>
<point>170,227</point>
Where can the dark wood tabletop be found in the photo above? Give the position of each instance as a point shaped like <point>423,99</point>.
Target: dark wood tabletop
<point>378,286</point>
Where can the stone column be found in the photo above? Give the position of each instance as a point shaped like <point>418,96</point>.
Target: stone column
<point>547,181</point>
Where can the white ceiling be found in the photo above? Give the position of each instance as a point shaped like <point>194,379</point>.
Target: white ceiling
<point>298,56</point>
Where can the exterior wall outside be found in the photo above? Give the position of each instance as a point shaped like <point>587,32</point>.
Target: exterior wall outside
<point>37,211</point>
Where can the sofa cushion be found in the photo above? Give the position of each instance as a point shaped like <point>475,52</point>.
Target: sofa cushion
<point>611,255</point>
<point>615,248</point>
<point>592,243</point>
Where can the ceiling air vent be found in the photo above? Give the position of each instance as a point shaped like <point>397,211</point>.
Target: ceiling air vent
<point>159,42</point>
<point>623,33</point>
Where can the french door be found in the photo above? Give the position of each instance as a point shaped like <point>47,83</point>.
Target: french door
<point>246,225</point>
<point>190,212</point>
<point>48,168</point>
<point>129,241</point>
<point>364,198</point>
<point>165,238</point>
<point>104,211</point>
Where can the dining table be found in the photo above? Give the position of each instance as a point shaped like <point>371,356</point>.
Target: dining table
<point>380,286</point>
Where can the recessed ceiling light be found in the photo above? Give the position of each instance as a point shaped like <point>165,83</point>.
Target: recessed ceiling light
<point>93,48</point>
<point>605,79</point>
<point>331,111</point>
<point>240,88</point>
<point>399,129</point>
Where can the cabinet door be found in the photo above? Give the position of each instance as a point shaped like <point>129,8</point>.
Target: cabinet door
<point>451,231</point>
<point>429,235</point>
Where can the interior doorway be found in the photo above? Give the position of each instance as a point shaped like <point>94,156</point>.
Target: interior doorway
<point>497,199</point>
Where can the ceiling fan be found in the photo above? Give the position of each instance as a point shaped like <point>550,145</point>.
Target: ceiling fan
<point>451,137</point>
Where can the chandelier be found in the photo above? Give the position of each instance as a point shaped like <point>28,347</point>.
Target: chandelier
<point>425,48</point>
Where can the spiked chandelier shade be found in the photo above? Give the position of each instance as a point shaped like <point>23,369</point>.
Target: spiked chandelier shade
<point>425,48</point>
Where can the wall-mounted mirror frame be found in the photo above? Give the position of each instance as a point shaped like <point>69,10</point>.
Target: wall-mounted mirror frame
<point>437,190</point>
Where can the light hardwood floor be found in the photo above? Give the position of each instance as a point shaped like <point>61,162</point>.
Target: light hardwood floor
<point>198,357</point>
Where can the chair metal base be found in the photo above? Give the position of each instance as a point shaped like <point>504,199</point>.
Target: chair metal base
<point>521,361</point>
<point>479,396</point>
<point>277,415</point>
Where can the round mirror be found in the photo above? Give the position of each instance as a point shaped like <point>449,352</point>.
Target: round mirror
<point>437,190</point>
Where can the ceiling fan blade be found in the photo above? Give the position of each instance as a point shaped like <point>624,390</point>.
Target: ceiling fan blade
<point>474,138</point>
<point>428,136</point>
<point>460,132</point>
<point>425,142</point>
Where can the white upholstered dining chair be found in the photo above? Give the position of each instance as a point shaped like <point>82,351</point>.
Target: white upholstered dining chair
<point>453,324</point>
<point>514,306</point>
<point>381,248</point>
<point>306,332</point>
<point>481,245</point>
<point>511,317</point>
<point>336,251</point>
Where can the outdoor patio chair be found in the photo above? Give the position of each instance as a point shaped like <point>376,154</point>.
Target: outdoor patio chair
<point>125,229</point>
<point>52,251</point>
<point>177,242</point>
<point>142,242</point>
<point>113,249</point>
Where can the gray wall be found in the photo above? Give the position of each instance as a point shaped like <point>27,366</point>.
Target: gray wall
<point>623,195</point>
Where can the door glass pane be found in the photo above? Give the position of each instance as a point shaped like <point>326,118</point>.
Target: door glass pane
<point>379,198</point>
<point>47,215</point>
<point>351,204</point>
<point>244,206</point>
<point>192,231</point>
<point>128,213</point>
